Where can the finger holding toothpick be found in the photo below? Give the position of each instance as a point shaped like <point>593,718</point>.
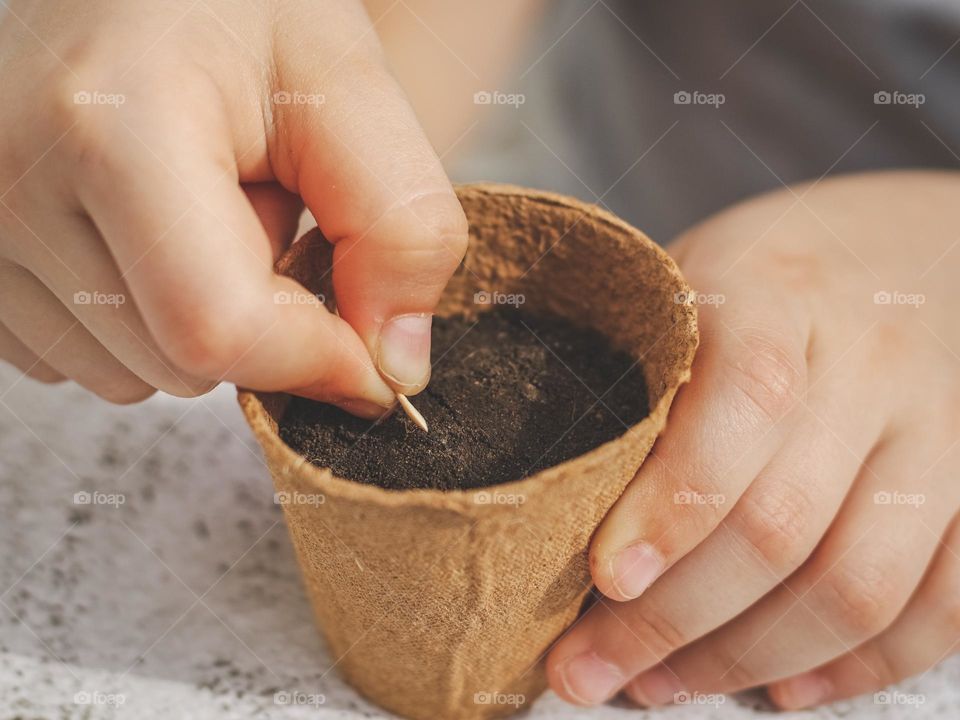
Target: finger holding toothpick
<point>405,403</point>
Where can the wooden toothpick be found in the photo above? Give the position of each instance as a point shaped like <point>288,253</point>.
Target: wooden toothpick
<point>412,412</point>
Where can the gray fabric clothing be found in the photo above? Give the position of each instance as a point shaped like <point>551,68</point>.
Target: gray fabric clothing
<point>798,79</point>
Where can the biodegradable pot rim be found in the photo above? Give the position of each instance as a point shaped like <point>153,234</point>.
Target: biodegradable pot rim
<point>464,501</point>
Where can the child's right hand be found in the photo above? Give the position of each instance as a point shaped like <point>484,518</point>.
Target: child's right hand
<point>152,160</point>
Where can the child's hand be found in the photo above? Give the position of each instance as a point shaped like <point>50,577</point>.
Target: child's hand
<point>151,155</point>
<point>800,510</point>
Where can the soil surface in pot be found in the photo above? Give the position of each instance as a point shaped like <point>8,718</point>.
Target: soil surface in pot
<point>511,394</point>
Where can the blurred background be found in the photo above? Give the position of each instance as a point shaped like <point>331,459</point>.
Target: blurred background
<point>666,112</point>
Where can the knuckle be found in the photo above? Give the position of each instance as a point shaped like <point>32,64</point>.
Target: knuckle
<point>208,338</point>
<point>655,633</point>
<point>72,95</point>
<point>729,665</point>
<point>861,598</point>
<point>885,667</point>
<point>442,216</point>
<point>88,136</point>
<point>771,376</point>
<point>89,103</point>
<point>774,525</point>
<point>701,508</point>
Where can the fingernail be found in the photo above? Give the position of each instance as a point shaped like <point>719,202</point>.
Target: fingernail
<point>404,351</point>
<point>656,687</point>
<point>633,569</point>
<point>588,679</point>
<point>800,691</point>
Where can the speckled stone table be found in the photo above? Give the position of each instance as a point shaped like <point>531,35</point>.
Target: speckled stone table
<point>146,573</point>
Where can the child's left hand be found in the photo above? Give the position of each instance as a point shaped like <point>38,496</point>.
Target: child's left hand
<point>796,526</point>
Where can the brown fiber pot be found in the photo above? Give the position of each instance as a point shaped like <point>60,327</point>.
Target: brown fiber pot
<point>443,604</point>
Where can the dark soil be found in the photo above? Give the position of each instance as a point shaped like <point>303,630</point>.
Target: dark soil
<point>510,394</point>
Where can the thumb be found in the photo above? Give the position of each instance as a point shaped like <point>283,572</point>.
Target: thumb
<point>377,189</point>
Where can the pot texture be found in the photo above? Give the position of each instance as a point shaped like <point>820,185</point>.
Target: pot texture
<point>443,604</point>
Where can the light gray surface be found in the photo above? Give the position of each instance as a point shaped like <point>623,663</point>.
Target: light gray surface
<point>186,600</point>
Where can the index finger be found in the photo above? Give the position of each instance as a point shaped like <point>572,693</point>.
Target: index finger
<point>376,188</point>
<point>199,265</point>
